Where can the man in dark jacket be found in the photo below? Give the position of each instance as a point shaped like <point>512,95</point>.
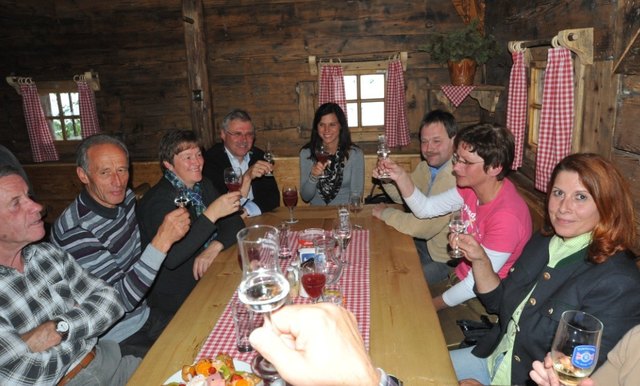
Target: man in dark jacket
<point>236,149</point>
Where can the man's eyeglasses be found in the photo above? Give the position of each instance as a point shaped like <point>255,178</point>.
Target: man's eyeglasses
<point>455,158</point>
<point>237,134</point>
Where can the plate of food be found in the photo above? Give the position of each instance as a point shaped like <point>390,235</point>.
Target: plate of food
<point>219,371</point>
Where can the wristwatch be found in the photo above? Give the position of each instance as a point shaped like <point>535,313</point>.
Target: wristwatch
<point>62,328</point>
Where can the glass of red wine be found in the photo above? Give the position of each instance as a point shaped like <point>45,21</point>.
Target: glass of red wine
<point>322,156</point>
<point>290,199</point>
<point>263,287</point>
<point>314,278</point>
<point>233,178</point>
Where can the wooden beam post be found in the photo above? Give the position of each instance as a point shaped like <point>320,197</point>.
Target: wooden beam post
<point>201,105</point>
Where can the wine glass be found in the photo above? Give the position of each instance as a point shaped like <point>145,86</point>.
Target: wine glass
<point>341,231</point>
<point>233,178</point>
<point>322,156</point>
<point>355,207</point>
<point>268,156</point>
<point>314,277</point>
<point>263,288</point>
<point>456,226</point>
<point>182,199</point>
<point>383,154</point>
<point>576,346</point>
<point>290,199</point>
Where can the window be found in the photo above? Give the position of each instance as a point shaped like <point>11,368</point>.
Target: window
<point>62,111</point>
<point>536,84</point>
<point>365,100</point>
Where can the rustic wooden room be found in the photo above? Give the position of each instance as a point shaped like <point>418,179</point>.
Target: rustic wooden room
<point>563,77</point>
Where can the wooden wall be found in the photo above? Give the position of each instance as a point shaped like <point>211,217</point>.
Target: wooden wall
<point>256,54</point>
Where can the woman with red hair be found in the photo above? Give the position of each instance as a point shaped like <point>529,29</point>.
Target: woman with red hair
<point>580,261</point>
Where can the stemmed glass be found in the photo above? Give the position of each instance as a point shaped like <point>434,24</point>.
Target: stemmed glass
<point>322,156</point>
<point>314,277</point>
<point>383,154</point>
<point>182,199</point>
<point>268,156</point>
<point>456,226</point>
<point>355,206</point>
<point>290,199</point>
<point>576,346</point>
<point>233,178</point>
<point>341,231</point>
<point>263,288</point>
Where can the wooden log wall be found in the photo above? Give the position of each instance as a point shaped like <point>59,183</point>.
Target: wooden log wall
<point>612,100</point>
<point>256,54</point>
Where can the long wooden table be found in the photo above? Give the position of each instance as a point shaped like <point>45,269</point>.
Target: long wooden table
<point>406,339</point>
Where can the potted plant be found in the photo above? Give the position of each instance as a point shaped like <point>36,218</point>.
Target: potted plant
<point>462,50</point>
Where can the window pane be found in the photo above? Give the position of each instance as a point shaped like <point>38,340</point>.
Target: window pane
<point>351,87</point>
<point>372,86</point>
<point>78,128</point>
<point>352,114</point>
<point>53,102</point>
<point>70,129</point>
<point>57,129</point>
<point>75,103</point>
<point>66,104</point>
<point>373,114</point>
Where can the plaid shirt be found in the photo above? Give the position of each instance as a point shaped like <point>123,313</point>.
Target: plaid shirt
<point>52,286</point>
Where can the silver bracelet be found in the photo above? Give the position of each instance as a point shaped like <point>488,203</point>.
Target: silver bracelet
<point>313,178</point>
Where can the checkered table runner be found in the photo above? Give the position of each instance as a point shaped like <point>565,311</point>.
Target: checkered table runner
<point>355,288</point>
<point>456,94</point>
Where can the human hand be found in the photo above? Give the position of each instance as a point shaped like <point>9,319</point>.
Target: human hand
<point>544,375</point>
<point>469,246</point>
<point>203,261</point>
<point>223,206</point>
<point>259,169</point>
<point>318,168</point>
<point>43,337</point>
<point>315,344</point>
<point>174,226</point>
<point>377,210</point>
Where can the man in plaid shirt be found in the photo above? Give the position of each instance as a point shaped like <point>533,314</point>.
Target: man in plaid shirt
<point>51,310</point>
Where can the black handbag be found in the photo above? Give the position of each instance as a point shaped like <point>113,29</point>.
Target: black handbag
<point>473,330</point>
<point>377,197</point>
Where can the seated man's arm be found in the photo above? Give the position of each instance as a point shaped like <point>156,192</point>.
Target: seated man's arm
<point>131,283</point>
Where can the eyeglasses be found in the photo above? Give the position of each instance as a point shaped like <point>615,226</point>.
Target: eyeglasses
<point>237,134</point>
<point>455,158</point>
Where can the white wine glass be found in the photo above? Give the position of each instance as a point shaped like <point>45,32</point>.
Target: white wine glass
<point>457,227</point>
<point>268,156</point>
<point>341,231</point>
<point>576,346</point>
<point>263,288</point>
<point>383,154</point>
<point>355,206</point>
<point>182,199</point>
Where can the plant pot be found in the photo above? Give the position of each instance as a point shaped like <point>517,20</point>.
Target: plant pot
<point>462,72</point>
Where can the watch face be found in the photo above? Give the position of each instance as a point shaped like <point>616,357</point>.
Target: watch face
<point>62,326</point>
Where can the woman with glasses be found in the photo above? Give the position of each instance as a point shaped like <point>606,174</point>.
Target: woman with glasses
<point>492,210</point>
<point>331,166</point>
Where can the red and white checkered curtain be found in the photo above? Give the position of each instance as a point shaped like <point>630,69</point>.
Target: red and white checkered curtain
<point>88,113</point>
<point>396,128</point>
<point>39,131</point>
<point>556,117</point>
<point>517,105</point>
<point>332,86</point>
